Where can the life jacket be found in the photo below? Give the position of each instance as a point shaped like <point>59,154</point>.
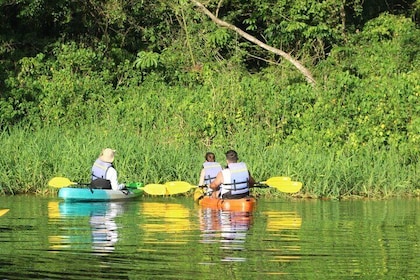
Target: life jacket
<point>211,169</point>
<point>235,179</point>
<point>99,170</point>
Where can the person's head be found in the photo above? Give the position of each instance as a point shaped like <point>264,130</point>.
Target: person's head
<point>210,157</point>
<point>107,155</point>
<point>231,156</point>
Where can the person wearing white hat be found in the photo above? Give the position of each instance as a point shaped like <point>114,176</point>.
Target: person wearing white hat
<point>104,175</point>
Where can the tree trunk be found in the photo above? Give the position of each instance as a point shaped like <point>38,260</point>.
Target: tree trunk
<point>254,40</point>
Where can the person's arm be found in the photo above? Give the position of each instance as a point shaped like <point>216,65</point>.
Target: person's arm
<point>251,180</point>
<point>112,176</point>
<point>217,181</point>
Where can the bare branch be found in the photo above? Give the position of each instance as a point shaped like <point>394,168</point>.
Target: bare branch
<point>254,40</point>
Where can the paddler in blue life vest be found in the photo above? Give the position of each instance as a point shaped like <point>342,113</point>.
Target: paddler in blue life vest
<point>234,181</point>
<point>104,175</point>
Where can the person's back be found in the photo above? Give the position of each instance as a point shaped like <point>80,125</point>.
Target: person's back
<point>210,169</point>
<point>104,175</point>
<point>99,174</point>
<point>233,181</point>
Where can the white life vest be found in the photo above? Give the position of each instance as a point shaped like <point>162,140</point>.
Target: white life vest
<point>235,179</point>
<point>211,169</point>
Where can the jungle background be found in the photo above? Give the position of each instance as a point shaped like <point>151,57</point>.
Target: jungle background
<point>163,83</point>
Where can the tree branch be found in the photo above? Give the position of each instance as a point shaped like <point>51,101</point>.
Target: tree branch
<point>254,40</point>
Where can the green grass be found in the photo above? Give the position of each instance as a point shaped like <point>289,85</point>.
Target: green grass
<point>30,158</point>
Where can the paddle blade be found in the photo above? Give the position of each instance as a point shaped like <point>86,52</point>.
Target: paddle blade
<point>155,189</point>
<point>60,182</point>
<point>198,194</point>
<point>177,187</point>
<point>278,180</point>
<point>3,211</point>
<point>287,186</point>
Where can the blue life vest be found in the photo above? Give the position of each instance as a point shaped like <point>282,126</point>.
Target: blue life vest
<point>211,169</point>
<point>235,178</point>
<point>99,170</point>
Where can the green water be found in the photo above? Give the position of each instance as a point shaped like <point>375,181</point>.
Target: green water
<point>151,238</point>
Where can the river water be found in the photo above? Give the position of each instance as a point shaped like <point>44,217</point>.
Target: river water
<point>172,238</point>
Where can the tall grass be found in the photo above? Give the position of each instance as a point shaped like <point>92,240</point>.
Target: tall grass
<point>30,158</point>
<point>367,172</point>
<point>161,133</point>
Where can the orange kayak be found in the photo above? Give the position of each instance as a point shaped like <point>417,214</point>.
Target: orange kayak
<point>246,204</point>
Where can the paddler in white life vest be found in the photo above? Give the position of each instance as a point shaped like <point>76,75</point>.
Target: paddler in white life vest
<point>209,172</point>
<point>234,181</point>
<point>104,175</point>
<point>210,169</point>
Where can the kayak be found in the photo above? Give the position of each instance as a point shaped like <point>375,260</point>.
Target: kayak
<point>88,195</point>
<point>246,204</point>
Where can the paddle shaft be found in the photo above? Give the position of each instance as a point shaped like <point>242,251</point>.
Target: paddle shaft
<point>60,182</point>
<point>283,184</point>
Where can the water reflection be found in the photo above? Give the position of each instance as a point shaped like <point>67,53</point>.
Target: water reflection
<point>308,239</point>
<point>165,218</point>
<point>226,227</point>
<point>103,230</point>
<point>278,221</point>
<point>286,226</point>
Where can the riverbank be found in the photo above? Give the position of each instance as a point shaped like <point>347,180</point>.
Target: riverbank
<point>32,157</point>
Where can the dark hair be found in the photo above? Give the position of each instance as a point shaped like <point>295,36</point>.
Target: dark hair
<point>232,156</point>
<point>210,157</point>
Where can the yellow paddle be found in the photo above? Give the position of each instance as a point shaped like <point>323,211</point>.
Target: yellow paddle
<point>3,211</point>
<point>61,182</point>
<point>155,189</point>
<point>177,187</point>
<point>198,194</point>
<point>283,184</point>
<point>276,180</point>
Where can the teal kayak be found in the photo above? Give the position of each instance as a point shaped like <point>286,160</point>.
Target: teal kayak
<point>88,209</point>
<point>87,194</point>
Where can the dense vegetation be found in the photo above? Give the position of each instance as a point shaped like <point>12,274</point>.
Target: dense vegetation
<point>163,84</point>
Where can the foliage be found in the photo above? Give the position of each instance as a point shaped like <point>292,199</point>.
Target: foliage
<point>146,60</point>
<point>374,96</point>
<point>73,86</point>
<point>166,91</point>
